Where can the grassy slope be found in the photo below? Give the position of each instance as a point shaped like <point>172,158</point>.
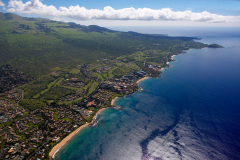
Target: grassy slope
<point>35,45</point>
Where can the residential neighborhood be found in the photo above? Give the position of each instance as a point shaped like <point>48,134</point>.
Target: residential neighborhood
<point>31,127</point>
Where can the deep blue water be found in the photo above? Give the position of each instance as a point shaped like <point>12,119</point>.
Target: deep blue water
<point>191,112</point>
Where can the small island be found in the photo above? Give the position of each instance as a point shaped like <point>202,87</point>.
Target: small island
<point>215,46</point>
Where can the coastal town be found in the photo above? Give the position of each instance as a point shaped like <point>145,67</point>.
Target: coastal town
<point>35,125</point>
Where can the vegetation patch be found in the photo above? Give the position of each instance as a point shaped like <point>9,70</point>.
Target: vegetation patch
<point>56,93</point>
<point>32,104</point>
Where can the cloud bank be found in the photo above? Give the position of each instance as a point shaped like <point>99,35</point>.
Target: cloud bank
<point>36,7</point>
<point>1,4</point>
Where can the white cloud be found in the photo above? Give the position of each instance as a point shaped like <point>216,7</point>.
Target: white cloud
<point>36,7</point>
<point>1,4</point>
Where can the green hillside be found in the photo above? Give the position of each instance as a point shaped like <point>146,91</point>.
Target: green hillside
<point>35,45</point>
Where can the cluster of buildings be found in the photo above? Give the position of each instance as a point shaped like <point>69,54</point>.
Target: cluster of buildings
<point>15,94</point>
<point>18,150</point>
<point>103,96</point>
<point>83,111</point>
<point>153,70</point>
<point>11,78</point>
<point>30,134</point>
<point>73,82</point>
<point>33,134</point>
<point>60,118</point>
<point>71,97</point>
<point>124,87</point>
<point>9,111</point>
<point>14,147</point>
<point>104,68</point>
<point>10,135</point>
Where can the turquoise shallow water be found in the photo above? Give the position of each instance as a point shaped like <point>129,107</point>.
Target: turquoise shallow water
<point>191,112</point>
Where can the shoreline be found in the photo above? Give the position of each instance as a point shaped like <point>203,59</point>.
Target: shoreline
<point>142,79</point>
<point>113,101</point>
<point>168,62</point>
<point>58,146</point>
<point>161,69</point>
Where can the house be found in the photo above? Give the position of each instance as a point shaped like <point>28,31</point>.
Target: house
<point>92,103</point>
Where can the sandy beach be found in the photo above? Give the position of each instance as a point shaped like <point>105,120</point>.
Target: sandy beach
<point>168,62</point>
<point>161,69</point>
<point>142,79</point>
<point>113,101</point>
<point>66,139</point>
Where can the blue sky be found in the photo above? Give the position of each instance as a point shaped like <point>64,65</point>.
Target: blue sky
<point>131,12</point>
<point>226,7</point>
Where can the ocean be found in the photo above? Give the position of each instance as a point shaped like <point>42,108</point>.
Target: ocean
<point>191,112</point>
